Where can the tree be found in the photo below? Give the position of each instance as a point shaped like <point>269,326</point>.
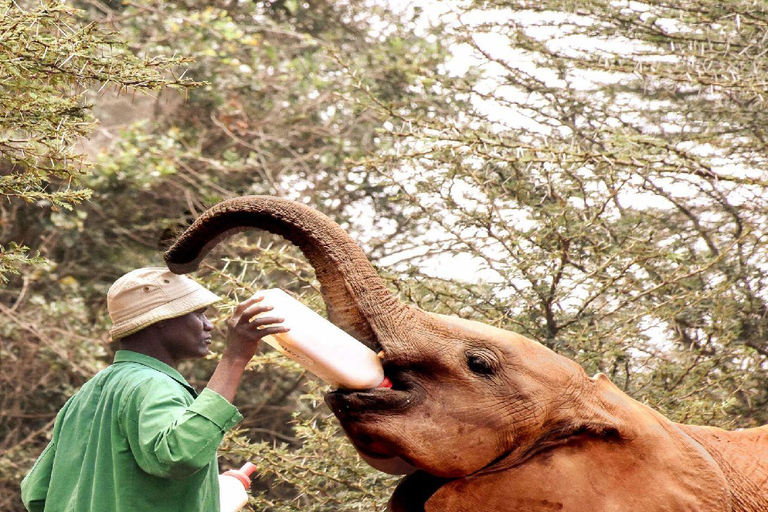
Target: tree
<point>50,59</point>
<point>599,163</point>
<point>273,116</point>
<point>609,180</point>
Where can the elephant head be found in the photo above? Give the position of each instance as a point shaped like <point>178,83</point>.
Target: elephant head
<point>467,399</point>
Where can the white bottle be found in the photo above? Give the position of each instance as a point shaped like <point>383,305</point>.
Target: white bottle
<point>321,347</point>
<point>233,485</point>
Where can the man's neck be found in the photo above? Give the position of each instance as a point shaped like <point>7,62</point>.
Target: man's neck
<point>149,346</point>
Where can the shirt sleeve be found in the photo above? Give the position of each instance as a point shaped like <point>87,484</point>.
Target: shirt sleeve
<point>169,438</point>
<point>34,487</point>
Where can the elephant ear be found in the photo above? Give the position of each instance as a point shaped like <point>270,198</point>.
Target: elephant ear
<point>413,492</point>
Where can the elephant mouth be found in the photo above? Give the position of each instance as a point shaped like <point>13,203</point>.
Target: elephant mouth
<point>350,405</point>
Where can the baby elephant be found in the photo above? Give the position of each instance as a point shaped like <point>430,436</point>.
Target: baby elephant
<point>486,420</point>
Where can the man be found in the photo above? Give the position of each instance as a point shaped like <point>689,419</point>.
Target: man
<point>137,437</point>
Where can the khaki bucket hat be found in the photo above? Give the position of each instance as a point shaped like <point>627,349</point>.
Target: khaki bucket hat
<point>145,296</point>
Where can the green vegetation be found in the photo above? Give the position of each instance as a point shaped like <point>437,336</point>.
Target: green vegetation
<point>50,57</point>
<point>600,163</point>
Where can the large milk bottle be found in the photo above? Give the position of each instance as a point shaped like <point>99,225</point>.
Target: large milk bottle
<point>319,346</point>
<point>233,485</point>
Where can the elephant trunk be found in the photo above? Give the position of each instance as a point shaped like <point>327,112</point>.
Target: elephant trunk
<point>356,298</point>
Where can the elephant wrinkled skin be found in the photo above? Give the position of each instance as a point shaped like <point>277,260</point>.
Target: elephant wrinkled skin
<point>483,419</point>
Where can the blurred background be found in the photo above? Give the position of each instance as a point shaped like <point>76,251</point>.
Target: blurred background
<point>589,174</point>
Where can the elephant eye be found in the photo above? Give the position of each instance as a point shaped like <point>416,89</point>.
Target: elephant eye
<point>481,364</point>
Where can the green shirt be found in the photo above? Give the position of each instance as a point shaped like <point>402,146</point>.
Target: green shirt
<point>135,438</point>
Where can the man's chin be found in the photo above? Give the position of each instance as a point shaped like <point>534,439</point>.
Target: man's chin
<point>200,353</point>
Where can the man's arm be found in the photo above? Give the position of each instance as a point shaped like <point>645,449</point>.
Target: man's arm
<point>34,487</point>
<point>172,440</point>
<point>243,338</point>
<point>168,436</point>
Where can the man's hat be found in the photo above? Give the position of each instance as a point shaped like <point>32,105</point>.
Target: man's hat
<point>147,295</point>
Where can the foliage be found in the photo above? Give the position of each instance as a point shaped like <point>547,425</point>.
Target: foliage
<point>307,475</point>
<point>589,174</point>
<point>608,183</point>
<point>272,119</point>
<point>49,57</point>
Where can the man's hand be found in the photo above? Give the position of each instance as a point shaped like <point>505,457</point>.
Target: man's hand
<point>245,331</point>
<point>244,334</point>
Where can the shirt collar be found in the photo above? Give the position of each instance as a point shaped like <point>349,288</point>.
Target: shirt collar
<point>129,356</point>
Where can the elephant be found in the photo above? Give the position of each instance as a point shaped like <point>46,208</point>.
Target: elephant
<point>483,419</point>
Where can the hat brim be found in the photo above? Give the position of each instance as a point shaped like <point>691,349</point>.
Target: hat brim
<point>180,306</point>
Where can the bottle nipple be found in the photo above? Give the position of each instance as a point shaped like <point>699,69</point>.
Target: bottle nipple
<point>243,474</point>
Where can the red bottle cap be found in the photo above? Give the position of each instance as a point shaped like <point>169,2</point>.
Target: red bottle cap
<point>243,474</point>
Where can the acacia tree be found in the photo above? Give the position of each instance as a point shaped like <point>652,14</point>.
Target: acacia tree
<point>51,56</point>
<point>609,181</point>
<point>597,162</point>
<point>277,118</point>
<point>272,118</point>
<point>604,178</point>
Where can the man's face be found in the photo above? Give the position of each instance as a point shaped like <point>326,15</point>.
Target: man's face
<point>187,336</point>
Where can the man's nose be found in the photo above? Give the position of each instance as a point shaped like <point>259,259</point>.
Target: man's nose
<point>207,325</point>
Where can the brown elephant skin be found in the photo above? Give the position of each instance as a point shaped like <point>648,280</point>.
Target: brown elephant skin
<point>486,420</point>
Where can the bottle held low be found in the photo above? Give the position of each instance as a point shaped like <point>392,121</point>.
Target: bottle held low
<point>233,487</point>
<point>319,346</point>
